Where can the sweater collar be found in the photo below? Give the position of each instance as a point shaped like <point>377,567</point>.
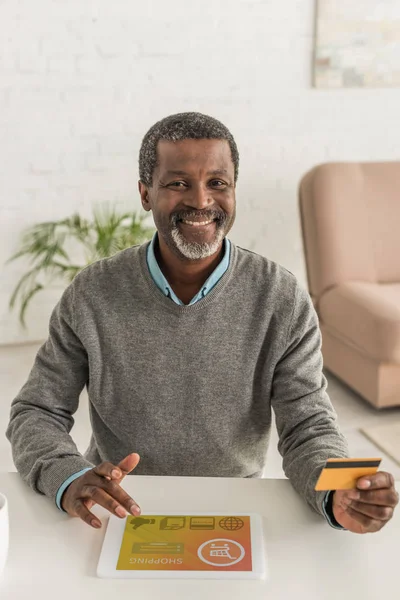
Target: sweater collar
<point>164,286</point>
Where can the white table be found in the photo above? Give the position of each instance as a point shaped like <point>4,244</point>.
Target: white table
<point>54,557</point>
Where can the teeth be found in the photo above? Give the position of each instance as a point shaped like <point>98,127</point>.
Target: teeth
<point>197,224</point>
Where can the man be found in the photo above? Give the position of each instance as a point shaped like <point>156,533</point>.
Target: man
<point>185,345</point>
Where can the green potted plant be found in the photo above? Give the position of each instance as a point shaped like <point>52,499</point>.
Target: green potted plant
<point>49,246</point>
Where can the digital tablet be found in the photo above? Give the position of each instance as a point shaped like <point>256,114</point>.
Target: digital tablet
<point>177,545</point>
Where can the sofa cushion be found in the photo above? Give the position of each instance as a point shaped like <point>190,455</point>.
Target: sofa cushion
<point>366,315</point>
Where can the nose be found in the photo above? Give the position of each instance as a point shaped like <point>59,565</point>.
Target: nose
<point>200,198</point>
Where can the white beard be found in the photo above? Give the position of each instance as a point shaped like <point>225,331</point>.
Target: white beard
<point>196,250</point>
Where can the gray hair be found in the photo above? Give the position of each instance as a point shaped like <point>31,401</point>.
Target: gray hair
<point>182,126</point>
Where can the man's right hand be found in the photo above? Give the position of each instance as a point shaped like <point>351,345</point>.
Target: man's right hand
<point>101,486</point>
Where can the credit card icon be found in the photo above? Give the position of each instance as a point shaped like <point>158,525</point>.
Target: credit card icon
<point>202,523</point>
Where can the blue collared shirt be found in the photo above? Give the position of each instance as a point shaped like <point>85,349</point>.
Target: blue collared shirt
<point>164,286</point>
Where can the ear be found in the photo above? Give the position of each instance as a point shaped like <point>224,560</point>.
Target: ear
<point>144,195</point>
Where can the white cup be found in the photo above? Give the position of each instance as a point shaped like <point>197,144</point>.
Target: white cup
<point>3,532</point>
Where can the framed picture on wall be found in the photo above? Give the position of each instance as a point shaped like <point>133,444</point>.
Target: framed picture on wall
<point>357,44</point>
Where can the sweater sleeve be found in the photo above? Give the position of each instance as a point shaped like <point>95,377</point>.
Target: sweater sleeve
<point>41,418</point>
<point>305,418</point>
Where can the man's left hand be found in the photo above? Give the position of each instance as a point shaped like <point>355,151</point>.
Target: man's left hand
<point>369,507</point>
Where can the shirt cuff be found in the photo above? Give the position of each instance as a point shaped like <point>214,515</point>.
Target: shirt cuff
<point>328,513</point>
<point>66,483</point>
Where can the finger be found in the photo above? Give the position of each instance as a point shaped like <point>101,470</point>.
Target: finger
<point>88,503</point>
<point>129,463</point>
<point>118,472</point>
<point>384,497</point>
<point>117,492</point>
<point>101,497</point>
<point>81,511</point>
<point>369,525</point>
<point>377,481</point>
<point>107,470</point>
<point>118,501</point>
<point>380,513</point>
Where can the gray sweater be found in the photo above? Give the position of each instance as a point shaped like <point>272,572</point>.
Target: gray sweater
<point>190,388</point>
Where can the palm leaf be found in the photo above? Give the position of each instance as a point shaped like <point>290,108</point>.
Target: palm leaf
<point>20,285</point>
<point>25,300</point>
<point>43,244</point>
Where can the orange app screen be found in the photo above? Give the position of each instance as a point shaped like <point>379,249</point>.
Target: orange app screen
<point>186,543</point>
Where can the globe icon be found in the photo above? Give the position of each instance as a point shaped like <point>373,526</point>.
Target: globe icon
<point>231,523</point>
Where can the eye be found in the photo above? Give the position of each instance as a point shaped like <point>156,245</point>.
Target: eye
<point>217,183</point>
<point>177,184</point>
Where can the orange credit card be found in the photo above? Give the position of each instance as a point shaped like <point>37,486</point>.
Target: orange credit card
<point>342,473</point>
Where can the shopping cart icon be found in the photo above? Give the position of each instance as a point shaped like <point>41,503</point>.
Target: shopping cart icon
<point>221,551</point>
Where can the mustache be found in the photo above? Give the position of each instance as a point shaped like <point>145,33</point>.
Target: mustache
<point>201,216</point>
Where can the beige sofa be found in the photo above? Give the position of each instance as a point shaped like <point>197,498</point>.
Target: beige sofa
<point>350,218</point>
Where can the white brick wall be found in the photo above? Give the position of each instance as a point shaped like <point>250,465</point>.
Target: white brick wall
<point>82,81</point>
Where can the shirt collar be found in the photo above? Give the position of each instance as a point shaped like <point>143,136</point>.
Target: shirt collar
<point>163,284</point>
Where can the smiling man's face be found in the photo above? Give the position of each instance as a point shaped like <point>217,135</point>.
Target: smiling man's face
<point>193,183</point>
